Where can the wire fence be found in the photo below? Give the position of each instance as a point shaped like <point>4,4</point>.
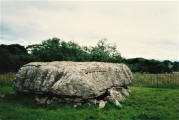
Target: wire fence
<point>168,80</point>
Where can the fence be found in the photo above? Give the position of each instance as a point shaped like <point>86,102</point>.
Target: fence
<point>140,80</point>
<point>156,80</point>
<point>6,78</point>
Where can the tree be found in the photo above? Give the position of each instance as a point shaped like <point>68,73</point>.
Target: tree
<point>56,50</point>
<point>175,66</point>
<point>47,51</point>
<point>5,60</point>
<point>147,66</point>
<point>13,57</point>
<point>105,52</point>
<point>76,52</point>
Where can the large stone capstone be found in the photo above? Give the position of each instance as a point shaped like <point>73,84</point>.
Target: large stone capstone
<point>78,80</point>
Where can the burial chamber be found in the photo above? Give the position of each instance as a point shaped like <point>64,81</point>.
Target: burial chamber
<point>75,81</point>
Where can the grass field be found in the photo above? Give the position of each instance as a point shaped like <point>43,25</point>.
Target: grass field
<point>143,104</point>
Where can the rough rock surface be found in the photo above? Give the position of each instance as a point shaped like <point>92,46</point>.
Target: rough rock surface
<point>102,103</point>
<point>77,81</point>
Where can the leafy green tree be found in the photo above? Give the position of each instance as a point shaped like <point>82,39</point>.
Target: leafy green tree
<point>14,49</point>
<point>105,52</point>
<point>13,57</point>
<point>5,60</point>
<point>76,53</point>
<point>147,66</point>
<point>56,50</point>
<point>47,51</point>
<point>175,66</point>
<point>156,66</point>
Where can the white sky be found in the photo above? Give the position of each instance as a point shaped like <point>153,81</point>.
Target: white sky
<point>147,29</point>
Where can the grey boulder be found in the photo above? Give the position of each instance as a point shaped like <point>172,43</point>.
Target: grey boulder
<point>82,80</point>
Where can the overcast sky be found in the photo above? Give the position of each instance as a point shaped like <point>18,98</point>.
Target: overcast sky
<point>139,29</point>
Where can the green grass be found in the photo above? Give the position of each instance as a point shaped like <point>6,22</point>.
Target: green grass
<point>143,104</point>
<point>6,89</point>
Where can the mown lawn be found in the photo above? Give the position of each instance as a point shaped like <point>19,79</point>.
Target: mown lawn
<point>144,104</point>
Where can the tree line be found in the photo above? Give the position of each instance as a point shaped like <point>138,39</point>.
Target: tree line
<point>13,56</point>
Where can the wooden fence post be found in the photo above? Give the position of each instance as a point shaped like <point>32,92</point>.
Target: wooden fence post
<point>157,80</point>
<point>177,80</point>
<point>173,81</point>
